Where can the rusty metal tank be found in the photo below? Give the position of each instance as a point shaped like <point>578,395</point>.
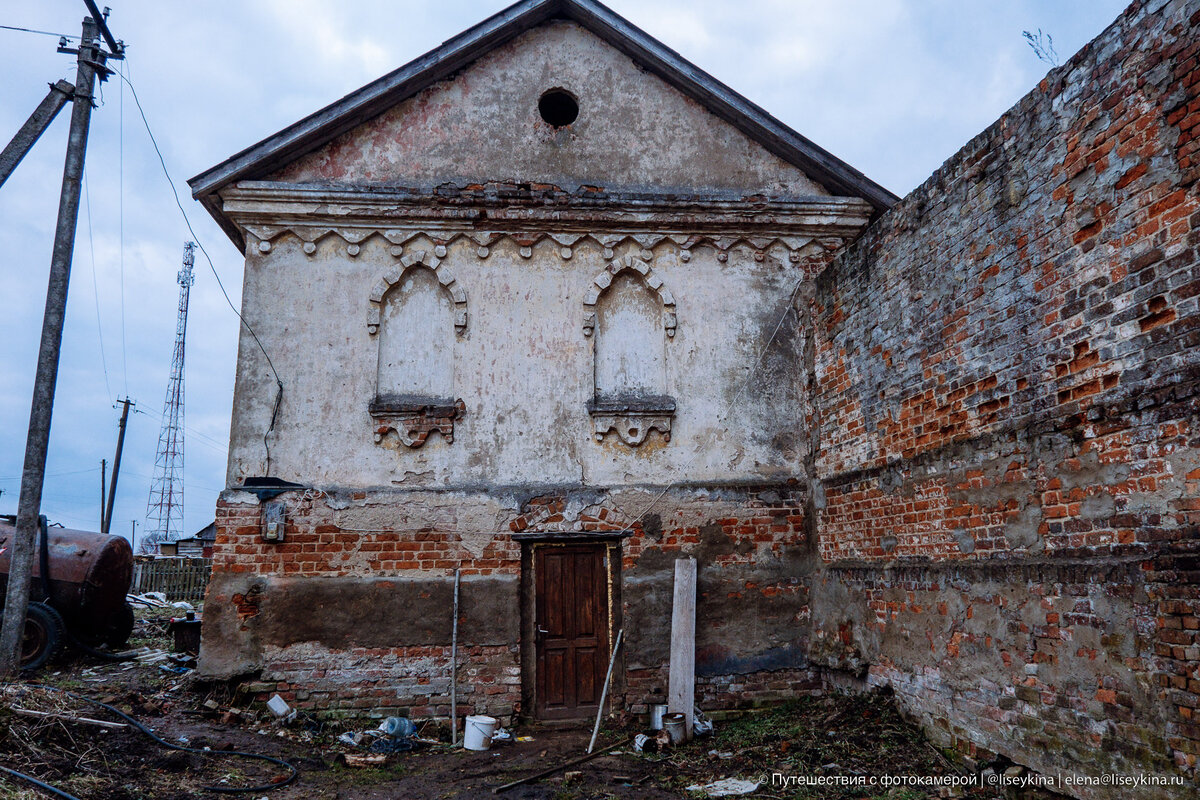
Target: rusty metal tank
<point>90,574</point>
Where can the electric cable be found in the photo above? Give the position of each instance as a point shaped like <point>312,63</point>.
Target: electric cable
<point>121,223</point>
<point>191,431</point>
<point>43,33</point>
<point>293,773</point>
<point>212,267</point>
<point>53,474</point>
<point>87,198</point>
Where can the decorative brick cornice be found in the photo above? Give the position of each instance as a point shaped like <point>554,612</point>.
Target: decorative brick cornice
<point>268,211</point>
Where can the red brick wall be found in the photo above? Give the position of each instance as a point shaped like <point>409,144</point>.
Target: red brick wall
<point>314,545</point>
<point>1007,368</point>
<point>396,681</point>
<point>750,543</point>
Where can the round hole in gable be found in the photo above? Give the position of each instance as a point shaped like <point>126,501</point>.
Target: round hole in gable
<point>558,107</point>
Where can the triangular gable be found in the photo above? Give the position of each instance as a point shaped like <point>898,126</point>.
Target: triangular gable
<point>317,130</point>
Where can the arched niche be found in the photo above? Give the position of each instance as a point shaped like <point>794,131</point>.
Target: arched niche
<point>630,316</point>
<point>417,311</point>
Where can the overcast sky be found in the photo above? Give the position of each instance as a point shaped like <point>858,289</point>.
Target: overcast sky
<point>894,87</point>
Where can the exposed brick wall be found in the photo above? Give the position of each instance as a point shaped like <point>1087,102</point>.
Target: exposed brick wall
<point>396,681</point>
<point>1058,655</point>
<point>724,692</point>
<point>747,540</point>
<point>315,545</point>
<point>1007,367</point>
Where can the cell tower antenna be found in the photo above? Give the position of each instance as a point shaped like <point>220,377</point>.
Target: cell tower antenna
<point>164,511</point>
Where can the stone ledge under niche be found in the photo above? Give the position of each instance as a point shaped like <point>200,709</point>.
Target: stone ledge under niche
<point>631,418</point>
<point>414,417</point>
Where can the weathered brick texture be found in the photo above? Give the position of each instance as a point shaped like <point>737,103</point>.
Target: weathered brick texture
<point>1007,366</point>
<point>300,613</point>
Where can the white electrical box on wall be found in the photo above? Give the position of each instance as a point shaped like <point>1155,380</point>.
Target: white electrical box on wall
<point>274,519</point>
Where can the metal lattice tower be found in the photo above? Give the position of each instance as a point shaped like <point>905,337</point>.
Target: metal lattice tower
<point>164,511</point>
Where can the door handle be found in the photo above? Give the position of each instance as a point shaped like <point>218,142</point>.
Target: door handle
<point>542,630</point>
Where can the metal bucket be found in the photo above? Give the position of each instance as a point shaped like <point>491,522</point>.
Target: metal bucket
<point>657,711</point>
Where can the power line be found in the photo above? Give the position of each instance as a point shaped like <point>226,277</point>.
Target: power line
<point>188,485</point>
<point>87,197</point>
<point>121,222</point>
<point>43,33</point>
<point>53,474</point>
<point>212,267</point>
<point>203,437</point>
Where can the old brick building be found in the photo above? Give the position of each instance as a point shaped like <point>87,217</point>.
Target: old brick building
<point>551,307</point>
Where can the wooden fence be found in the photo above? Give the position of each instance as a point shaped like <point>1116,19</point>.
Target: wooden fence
<point>178,578</point>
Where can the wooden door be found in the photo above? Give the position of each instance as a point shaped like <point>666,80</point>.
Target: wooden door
<point>571,599</point>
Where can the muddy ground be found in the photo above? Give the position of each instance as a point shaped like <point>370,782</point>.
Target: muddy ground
<point>811,737</point>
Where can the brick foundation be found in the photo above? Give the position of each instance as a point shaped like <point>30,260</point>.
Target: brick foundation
<point>296,616</point>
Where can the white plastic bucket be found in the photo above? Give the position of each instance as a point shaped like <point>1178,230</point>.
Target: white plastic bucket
<point>477,734</point>
<point>674,725</point>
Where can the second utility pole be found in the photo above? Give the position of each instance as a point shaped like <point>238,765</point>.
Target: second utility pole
<point>106,518</point>
<point>90,57</point>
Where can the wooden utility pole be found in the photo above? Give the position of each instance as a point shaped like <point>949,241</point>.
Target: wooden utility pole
<point>60,94</point>
<point>106,518</point>
<point>90,60</point>
<point>103,479</point>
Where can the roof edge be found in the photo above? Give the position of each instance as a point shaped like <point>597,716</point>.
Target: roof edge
<point>727,104</point>
<point>363,104</point>
<point>372,99</point>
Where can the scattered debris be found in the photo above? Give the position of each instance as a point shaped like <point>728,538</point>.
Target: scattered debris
<point>148,599</point>
<point>836,734</point>
<point>726,787</point>
<point>186,631</point>
<point>656,743</point>
<point>278,706</point>
<point>394,735</point>
<point>28,712</point>
<point>674,726</point>
<point>544,773</point>
<point>869,737</point>
<point>398,727</point>
<point>282,711</point>
<point>364,759</point>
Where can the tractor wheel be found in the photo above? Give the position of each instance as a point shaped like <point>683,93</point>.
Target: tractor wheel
<point>43,636</point>
<point>119,627</point>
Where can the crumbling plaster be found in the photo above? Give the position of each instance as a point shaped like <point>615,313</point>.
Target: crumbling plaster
<point>525,419</point>
<point>633,132</point>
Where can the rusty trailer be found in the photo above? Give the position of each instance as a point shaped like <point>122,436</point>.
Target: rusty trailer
<point>80,579</point>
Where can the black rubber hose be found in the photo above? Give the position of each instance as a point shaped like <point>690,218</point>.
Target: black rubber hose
<point>266,787</point>
<point>92,651</point>
<point>43,786</point>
